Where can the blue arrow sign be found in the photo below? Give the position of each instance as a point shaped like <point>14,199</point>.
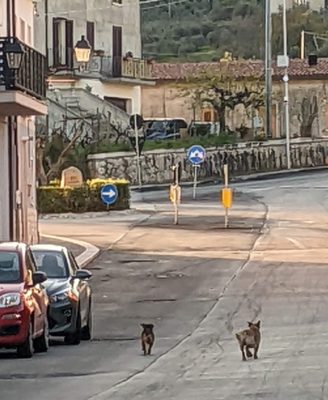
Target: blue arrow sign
<point>196,154</point>
<point>109,194</point>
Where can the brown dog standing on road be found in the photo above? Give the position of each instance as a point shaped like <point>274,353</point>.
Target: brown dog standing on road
<point>250,338</point>
<point>147,338</point>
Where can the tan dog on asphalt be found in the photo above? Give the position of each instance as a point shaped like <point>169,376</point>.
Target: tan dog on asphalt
<point>147,338</point>
<point>250,339</point>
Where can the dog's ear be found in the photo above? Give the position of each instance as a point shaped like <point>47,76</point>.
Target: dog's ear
<point>142,325</point>
<point>258,324</point>
<point>250,323</point>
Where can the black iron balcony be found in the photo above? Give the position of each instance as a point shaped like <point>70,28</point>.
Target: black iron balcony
<point>30,78</point>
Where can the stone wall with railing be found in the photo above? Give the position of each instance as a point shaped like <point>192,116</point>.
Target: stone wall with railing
<point>243,159</point>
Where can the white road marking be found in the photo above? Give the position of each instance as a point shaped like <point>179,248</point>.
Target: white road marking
<point>297,243</point>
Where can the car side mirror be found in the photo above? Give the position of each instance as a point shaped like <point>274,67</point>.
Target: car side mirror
<point>83,274</point>
<point>39,277</point>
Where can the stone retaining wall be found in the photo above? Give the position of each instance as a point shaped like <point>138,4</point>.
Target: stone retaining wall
<point>246,158</point>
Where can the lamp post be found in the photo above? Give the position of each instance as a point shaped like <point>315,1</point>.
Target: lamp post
<point>82,51</point>
<point>268,69</point>
<point>286,80</point>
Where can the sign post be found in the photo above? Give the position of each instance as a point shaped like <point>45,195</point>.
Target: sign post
<point>196,155</point>
<point>195,181</point>
<point>226,196</point>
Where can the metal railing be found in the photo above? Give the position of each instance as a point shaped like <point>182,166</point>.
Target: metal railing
<point>132,68</point>
<point>62,59</point>
<point>31,77</point>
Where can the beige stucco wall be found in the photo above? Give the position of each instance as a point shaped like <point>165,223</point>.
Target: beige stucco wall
<point>166,100</point>
<point>25,143</point>
<point>103,13</point>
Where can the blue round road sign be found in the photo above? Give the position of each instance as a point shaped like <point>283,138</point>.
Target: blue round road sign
<point>196,154</point>
<point>109,194</point>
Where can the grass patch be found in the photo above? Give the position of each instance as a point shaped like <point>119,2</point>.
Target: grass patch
<point>205,141</point>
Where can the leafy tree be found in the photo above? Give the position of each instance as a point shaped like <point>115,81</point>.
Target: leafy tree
<point>223,92</point>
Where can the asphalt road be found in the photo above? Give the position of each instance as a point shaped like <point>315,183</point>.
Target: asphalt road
<point>198,283</point>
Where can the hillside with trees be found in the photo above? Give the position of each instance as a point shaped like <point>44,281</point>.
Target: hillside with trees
<point>203,30</point>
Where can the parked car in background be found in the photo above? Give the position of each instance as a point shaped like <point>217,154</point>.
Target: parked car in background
<point>23,301</point>
<point>165,128</point>
<point>201,128</point>
<point>70,295</point>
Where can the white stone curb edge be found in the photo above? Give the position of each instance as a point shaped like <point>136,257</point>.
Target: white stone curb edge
<point>85,258</point>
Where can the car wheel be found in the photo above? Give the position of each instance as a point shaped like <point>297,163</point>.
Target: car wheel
<point>86,333</point>
<point>75,337</point>
<point>41,344</point>
<point>25,350</point>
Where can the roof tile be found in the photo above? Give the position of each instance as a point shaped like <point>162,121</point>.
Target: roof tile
<point>251,68</point>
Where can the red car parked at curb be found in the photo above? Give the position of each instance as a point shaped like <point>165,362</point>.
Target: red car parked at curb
<point>23,301</point>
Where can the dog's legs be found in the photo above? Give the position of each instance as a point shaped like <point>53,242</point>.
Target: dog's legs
<point>144,348</point>
<point>248,352</point>
<point>149,348</point>
<point>242,352</point>
<point>255,352</point>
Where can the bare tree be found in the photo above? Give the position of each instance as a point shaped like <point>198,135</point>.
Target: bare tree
<point>308,113</point>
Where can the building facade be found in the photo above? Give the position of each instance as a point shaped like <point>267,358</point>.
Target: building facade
<point>113,77</point>
<point>316,5</point>
<point>22,97</point>
<point>308,100</point>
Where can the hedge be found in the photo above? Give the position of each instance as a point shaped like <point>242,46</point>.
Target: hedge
<point>54,199</point>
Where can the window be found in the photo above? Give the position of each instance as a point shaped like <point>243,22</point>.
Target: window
<point>74,265</point>
<point>118,2</point>
<point>9,267</point>
<point>20,28</point>
<point>91,34</point>
<point>209,115</point>
<point>120,103</point>
<point>53,263</point>
<point>29,35</point>
<point>63,46</point>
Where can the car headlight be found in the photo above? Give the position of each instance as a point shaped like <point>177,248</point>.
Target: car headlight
<point>66,295</point>
<point>10,300</point>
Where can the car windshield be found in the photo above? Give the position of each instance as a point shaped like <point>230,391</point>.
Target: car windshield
<point>158,125</point>
<point>9,267</point>
<point>53,263</point>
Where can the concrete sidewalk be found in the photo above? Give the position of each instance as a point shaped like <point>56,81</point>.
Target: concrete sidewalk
<point>84,252</point>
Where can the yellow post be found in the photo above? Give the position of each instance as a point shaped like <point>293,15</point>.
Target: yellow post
<point>226,197</point>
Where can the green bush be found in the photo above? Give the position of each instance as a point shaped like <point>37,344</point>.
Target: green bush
<point>51,199</point>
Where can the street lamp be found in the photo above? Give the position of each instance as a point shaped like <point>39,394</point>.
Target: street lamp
<point>268,70</point>
<point>14,55</point>
<point>82,50</point>
<point>286,80</point>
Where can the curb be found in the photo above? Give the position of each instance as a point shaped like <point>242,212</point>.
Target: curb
<point>237,179</point>
<point>85,258</point>
<point>278,174</point>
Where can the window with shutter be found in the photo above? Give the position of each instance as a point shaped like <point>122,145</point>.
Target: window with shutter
<point>91,34</point>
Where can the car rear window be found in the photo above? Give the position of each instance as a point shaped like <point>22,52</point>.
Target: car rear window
<point>53,263</point>
<point>9,267</point>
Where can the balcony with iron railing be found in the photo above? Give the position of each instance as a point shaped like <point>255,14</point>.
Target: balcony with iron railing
<point>31,76</point>
<point>22,90</point>
<point>100,65</point>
